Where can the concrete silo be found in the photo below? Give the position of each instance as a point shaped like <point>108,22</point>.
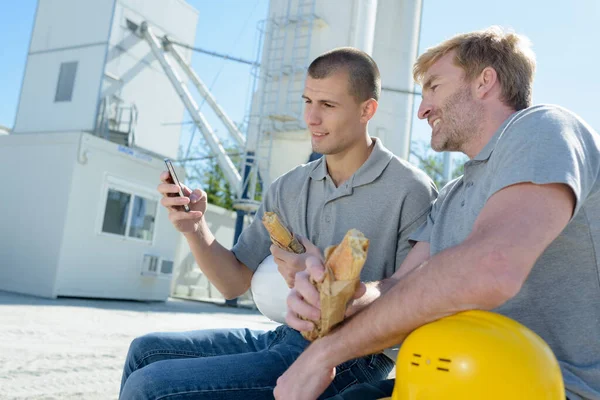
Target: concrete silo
<point>296,32</point>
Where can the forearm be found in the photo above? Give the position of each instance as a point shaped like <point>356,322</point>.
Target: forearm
<point>439,287</point>
<point>415,257</point>
<point>219,264</point>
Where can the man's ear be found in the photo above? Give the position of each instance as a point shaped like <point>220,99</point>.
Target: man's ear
<point>368,109</point>
<point>485,82</point>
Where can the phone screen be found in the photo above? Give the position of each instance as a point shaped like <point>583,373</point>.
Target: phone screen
<point>175,180</point>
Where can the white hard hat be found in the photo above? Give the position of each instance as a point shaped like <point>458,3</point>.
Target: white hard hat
<point>270,290</point>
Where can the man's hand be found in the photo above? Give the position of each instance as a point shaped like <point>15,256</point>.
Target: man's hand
<point>307,378</point>
<point>184,222</point>
<point>304,299</point>
<point>288,264</point>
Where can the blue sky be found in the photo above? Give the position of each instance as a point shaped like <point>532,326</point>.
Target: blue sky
<point>565,38</point>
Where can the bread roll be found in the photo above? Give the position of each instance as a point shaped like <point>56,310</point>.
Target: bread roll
<point>280,235</point>
<point>347,259</point>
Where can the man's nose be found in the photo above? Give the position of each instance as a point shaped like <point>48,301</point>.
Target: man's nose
<point>424,110</point>
<point>311,115</point>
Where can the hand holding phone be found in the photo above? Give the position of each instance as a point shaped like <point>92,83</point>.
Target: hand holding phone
<point>175,180</point>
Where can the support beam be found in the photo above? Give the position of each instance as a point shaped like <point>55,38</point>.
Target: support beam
<point>229,170</point>
<point>204,92</point>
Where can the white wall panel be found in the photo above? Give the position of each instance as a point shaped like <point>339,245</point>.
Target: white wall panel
<point>38,170</point>
<point>67,23</point>
<point>38,111</point>
<point>175,17</point>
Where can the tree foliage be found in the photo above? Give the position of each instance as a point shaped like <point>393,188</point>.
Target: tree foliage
<point>204,172</point>
<point>433,163</point>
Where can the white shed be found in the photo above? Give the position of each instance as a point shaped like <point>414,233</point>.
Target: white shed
<point>83,219</point>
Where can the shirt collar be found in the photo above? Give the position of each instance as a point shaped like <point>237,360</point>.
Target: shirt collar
<point>488,149</point>
<point>367,173</point>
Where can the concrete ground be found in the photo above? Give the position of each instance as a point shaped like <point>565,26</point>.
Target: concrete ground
<point>75,348</point>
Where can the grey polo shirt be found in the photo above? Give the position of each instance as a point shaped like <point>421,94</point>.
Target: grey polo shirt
<point>386,199</point>
<point>560,299</point>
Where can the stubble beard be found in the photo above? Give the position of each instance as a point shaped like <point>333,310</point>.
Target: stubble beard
<point>462,119</point>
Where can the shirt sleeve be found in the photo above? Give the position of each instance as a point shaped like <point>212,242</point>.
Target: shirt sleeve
<point>254,242</point>
<point>422,233</point>
<point>543,146</point>
<point>415,210</point>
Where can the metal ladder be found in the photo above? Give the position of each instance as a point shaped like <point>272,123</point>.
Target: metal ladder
<point>300,57</point>
<point>287,40</point>
<point>288,54</point>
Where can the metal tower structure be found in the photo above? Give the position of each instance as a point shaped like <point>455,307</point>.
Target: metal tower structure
<point>287,42</point>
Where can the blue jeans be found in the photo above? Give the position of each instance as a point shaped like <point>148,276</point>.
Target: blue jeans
<point>227,364</point>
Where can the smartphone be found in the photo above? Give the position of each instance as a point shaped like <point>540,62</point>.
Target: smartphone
<point>175,180</point>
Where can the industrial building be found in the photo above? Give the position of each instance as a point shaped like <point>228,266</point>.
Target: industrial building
<point>89,138</point>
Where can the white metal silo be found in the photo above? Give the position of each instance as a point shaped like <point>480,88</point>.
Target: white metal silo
<point>296,32</point>
<point>395,51</point>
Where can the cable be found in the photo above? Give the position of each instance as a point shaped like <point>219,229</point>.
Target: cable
<point>390,89</point>
<point>214,53</point>
<point>184,160</point>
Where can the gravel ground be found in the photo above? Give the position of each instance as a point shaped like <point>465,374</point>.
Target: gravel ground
<point>75,348</point>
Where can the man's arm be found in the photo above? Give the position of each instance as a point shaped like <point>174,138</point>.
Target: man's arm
<point>416,256</point>
<point>488,268</point>
<point>231,277</point>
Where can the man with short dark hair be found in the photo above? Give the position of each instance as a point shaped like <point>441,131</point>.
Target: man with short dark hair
<point>357,184</point>
<point>518,233</point>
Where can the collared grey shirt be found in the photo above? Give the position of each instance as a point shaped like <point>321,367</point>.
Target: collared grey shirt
<point>386,199</point>
<point>560,300</point>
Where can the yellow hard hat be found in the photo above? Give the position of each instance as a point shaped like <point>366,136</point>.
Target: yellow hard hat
<point>476,355</point>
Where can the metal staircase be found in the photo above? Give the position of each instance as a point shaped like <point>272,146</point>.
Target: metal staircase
<point>287,38</point>
<point>288,52</point>
<point>117,121</point>
<point>303,25</point>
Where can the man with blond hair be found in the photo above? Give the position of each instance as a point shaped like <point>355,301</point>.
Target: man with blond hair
<point>518,233</point>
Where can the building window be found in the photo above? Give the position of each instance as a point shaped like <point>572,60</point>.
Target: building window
<point>66,81</point>
<point>129,215</point>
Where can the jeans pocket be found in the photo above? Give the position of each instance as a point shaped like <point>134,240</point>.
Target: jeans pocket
<point>380,365</point>
<point>280,333</point>
<point>373,368</point>
<point>344,376</point>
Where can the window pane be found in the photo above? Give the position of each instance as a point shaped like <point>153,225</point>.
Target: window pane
<point>66,81</point>
<point>142,218</point>
<point>116,212</point>
<point>166,267</point>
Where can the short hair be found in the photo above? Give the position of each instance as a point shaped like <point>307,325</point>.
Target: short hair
<point>364,82</point>
<point>508,53</point>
